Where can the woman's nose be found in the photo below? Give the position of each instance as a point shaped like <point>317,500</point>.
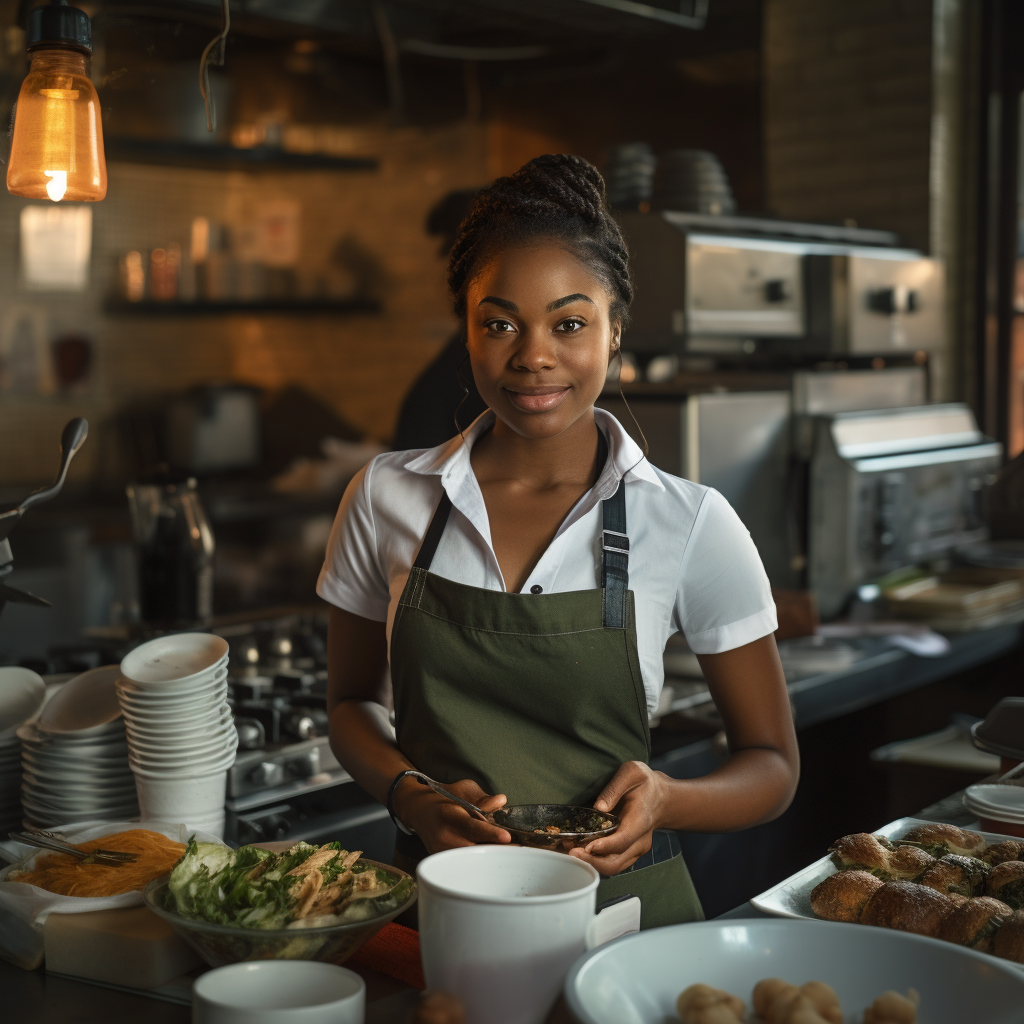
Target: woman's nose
<point>534,352</point>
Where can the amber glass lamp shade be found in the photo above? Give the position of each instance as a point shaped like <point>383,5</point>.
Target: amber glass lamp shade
<point>57,143</point>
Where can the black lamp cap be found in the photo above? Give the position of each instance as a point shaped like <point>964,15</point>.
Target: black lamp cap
<point>57,25</point>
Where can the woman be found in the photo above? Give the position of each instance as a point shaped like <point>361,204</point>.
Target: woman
<point>526,575</point>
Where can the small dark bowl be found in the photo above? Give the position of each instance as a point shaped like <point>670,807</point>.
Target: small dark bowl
<point>528,825</point>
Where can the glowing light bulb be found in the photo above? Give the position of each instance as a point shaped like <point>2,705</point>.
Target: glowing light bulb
<point>57,185</point>
<point>57,139</point>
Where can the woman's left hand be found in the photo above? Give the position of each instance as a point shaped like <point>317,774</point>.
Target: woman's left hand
<point>636,794</point>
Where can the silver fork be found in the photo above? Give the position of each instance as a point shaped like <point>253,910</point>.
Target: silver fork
<point>49,841</point>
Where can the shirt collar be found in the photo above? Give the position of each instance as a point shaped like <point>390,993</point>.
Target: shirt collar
<point>451,462</point>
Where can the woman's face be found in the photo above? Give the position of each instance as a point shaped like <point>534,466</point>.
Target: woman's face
<point>540,337</point>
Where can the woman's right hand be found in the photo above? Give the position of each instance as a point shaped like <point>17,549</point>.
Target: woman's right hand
<point>443,825</point>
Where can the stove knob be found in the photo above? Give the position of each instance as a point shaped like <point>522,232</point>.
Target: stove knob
<point>304,765</point>
<point>267,773</point>
<point>251,735</point>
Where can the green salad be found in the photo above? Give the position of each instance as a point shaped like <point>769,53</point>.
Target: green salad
<point>304,887</point>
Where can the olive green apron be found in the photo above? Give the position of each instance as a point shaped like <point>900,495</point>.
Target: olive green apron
<point>538,697</point>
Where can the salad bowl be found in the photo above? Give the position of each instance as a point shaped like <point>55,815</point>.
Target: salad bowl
<point>220,944</point>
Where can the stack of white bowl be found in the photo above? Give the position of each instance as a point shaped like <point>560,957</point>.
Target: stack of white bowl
<point>181,736</point>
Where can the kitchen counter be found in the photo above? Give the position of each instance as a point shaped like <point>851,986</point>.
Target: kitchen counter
<point>52,999</point>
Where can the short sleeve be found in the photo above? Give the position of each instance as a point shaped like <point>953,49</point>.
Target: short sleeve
<point>351,577</point>
<point>724,598</point>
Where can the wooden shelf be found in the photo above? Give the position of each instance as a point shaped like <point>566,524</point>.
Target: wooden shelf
<point>296,307</point>
<point>218,156</point>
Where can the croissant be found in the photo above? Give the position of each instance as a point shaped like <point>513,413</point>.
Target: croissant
<point>1008,942</point>
<point>1012,849</point>
<point>1006,882</point>
<point>975,923</point>
<point>964,876</point>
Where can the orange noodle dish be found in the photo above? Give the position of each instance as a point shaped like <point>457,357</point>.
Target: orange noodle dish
<point>68,876</point>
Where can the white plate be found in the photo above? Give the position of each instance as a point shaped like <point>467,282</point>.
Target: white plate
<point>186,766</point>
<point>1006,800</point>
<point>87,702</point>
<point>21,694</point>
<point>65,763</point>
<point>792,896</point>
<point>637,979</point>
<point>179,657</point>
<point>202,700</point>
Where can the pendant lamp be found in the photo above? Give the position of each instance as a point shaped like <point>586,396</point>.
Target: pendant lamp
<point>57,142</point>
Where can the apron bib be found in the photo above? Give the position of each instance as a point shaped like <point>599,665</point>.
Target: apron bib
<point>538,697</point>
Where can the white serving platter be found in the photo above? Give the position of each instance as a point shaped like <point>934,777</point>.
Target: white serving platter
<point>792,896</point>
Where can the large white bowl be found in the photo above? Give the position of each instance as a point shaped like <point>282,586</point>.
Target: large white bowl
<point>21,693</point>
<point>176,658</point>
<point>637,979</point>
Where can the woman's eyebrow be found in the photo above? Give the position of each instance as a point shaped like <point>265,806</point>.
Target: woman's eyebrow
<point>503,303</point>
<point>566,299</point>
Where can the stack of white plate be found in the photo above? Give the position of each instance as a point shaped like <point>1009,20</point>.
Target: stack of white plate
<point>10,782</point>
<point>995,803</point>
<point>181,736</point>
<point>74,756</point>
<point>21,694</point>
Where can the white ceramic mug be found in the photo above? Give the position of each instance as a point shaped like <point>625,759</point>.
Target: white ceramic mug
<point>279,992</point>
<point>500,926</point>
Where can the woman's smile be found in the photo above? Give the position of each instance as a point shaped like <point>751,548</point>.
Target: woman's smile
<point>541,398</point>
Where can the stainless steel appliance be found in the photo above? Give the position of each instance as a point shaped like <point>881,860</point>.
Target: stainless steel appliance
<point>737,442</point>
<point>730,294</point>
<point>214,428</point>
<point>892,488</point>
<point>286,783</point>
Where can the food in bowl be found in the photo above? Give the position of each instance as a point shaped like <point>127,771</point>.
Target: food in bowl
<point>559,827</point>
<point>304,887</point>
<point>66,875</point>
<point>305,903</point>
<point>778,1002</point>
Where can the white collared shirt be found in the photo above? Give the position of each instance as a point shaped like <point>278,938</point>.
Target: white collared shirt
<point>692,565</point>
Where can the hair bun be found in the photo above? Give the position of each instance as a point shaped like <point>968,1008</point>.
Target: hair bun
<point>566,181</point>
<point>557,195</point>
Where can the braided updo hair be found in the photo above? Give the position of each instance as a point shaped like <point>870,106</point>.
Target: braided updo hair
<point>557,196</point>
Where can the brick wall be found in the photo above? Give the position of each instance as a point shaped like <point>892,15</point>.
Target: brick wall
<point>361,365</point>
<point>847,115</point>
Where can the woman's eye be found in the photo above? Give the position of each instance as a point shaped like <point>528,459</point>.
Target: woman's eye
<point>500,326</point>
<point>570,326</point>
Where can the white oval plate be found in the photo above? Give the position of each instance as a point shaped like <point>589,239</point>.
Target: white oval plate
<point>178,657</point>
<point>638,978</point>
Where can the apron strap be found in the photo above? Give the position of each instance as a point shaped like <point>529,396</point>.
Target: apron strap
<point>614,558</point>
<point>433,536</point>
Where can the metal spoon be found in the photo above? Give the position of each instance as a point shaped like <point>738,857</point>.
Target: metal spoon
<point>449,795</point>
<point>71,440</point>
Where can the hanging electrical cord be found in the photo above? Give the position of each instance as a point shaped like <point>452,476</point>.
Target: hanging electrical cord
<point>213,54</point>
<point>389,49</point>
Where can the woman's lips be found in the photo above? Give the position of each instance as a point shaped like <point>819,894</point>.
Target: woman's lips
<point>541,399</point>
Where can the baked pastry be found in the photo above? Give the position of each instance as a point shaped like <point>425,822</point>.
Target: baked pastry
<point>893,1008</point>
<point>702,1004</point>
<point>865,852</point>
<point>778,1002</point>
<point>1011,849</point>
<point>439,1008</point>
<point>938,839</point>
<point>909,862</point>
<point>907,907</point>
<point>952,873</point>
<point>841,897</point>
<point>1006,882</point>
<point>975,923</point>
<point>1008,941</point>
